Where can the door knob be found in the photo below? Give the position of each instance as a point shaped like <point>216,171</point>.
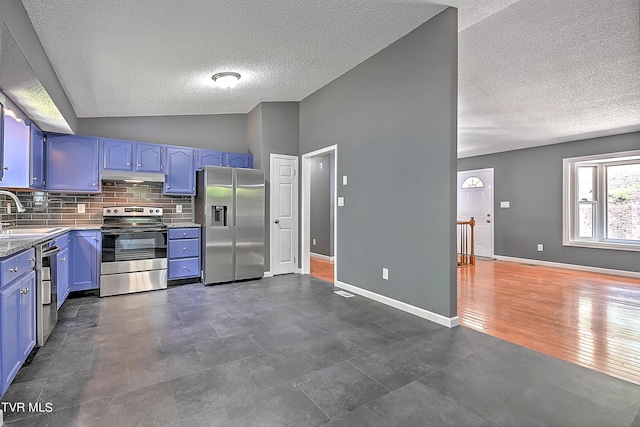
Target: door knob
<point>277,221</point>
<point>488,221</point>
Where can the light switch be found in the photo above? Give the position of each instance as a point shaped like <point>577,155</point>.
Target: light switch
<point>314,241</point>
<point>340,201</point>
<point>344,179</point>
<point>80,207</point>
<point>504,205</point>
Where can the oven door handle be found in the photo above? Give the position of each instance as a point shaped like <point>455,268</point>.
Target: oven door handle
<point>52,250</point>
<point>132,230</point>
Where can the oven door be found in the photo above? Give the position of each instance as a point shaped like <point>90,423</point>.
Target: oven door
<point>126,244</point>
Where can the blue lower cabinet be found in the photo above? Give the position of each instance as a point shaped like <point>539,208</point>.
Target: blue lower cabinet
<point>184,253</point>
<point>85,251</point>
<point>17,326</point>
<point>62,275</point>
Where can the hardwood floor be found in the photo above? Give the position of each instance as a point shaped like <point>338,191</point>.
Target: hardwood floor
<point>322,269</point>
<point>589,319</point>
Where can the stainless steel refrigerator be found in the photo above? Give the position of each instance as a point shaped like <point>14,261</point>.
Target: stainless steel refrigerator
<point>230,206</point>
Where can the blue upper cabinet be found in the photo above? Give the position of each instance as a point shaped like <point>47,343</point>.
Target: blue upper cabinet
<point>180,169</point>
<point>236,160</point>
<point>208,158</point>
<point>117,155</point>
<point>132,156</point>
<point>73,164</point>
<point>149,157</point>
<point>37,158</point>
<point>23,152</point>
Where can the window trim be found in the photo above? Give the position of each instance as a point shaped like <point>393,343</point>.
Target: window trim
<point>570,226</point>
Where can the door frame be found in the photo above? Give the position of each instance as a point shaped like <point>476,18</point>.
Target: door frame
<point>296,250</point>
<point>493,201</point>
<point>306,208</point>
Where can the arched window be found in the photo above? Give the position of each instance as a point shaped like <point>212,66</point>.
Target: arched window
<point>472,182</point>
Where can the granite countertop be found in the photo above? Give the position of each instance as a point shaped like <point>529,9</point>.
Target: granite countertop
<point>12,244</point>
<point>183,225</point>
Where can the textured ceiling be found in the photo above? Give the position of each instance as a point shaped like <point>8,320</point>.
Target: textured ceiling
<point>546,71</point>
<point>532,72</point>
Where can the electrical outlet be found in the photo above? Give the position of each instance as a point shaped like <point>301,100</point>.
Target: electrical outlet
<point>385,273</point>
<point>505,205</point>
<point>80,208</point>
<point>178,208</point>
<point>540,247</point>
<point>314,241</point>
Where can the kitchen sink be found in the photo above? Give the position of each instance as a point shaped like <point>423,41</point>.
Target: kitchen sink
<point>28,231</point>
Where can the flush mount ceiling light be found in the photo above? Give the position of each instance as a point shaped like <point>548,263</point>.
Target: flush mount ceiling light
<point>226,80</point>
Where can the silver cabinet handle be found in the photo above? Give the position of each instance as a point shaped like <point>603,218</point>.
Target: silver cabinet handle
<point>32,259</point>
<point>95,184</point>
<point>14,270</point>
<point>139,164</point>
<point>6,168</point>
<point>184,234</point>
<point>184,249</point>
<point>22,292</point>
<point>35,178</point>
<point>63,259</point>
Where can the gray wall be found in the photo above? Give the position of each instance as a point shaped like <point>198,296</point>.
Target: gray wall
<point>254,135</point>
<point>531,179</point>
<point>393,118</point>
<point>321,204</point>
<point>272,128</point>
<point>15,18</point>
<point>225,132</point>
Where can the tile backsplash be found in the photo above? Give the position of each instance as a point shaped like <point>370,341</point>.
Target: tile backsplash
<point>60,209</point>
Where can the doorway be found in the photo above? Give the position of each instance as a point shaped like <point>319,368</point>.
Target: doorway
<point>475,199</point>
<point>319,219</point>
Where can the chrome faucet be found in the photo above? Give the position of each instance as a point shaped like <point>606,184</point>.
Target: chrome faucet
<point>15,199</point>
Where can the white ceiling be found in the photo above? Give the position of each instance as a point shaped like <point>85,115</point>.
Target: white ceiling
<point>532,72</point>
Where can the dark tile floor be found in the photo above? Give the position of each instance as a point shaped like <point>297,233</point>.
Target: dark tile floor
<point>287,351</point>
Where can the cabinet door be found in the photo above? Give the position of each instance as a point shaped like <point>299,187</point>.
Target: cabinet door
<point>180,172</point>
<point>10,303</point>
<point>116,154</point>
<point>236,160</point>
<point>62,275</point>
<point>17,136</point>
<point>37,158</point>
<point>85,265</point>
<point>27,315</point>
<point>149,158</point>
<point>73,164</point>
<point>209,158</point>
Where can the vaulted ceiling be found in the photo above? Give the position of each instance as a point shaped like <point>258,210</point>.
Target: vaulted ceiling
<point>531,72</point>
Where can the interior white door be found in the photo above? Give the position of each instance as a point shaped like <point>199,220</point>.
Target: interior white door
<point>284,214</point>
<point>475,199</point>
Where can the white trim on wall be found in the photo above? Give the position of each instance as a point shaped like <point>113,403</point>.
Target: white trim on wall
<point>322,257</point>
<point>306,209</point>
<point>268,274</point>
<point>624,273</point>
<point>449,322</point>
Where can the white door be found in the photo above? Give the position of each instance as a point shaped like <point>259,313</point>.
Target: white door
<point>284,214</point>
<point>475,199</point>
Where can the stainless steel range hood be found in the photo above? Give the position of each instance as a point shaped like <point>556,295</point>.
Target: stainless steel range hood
<point>131,177</point>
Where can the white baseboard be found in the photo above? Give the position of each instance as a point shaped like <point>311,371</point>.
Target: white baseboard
<point>570,266</point>
<point>298,271</point>
<point>449,322</point>
<point>268,274</point>
<point>322,257</point>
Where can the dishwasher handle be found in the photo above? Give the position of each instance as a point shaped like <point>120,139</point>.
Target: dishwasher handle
<point>50,251</point>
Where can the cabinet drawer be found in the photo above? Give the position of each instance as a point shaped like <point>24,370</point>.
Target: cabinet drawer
<point>15,266</point>
<point>186,267</point>
<point>184,233</point>
<point>184,248</point>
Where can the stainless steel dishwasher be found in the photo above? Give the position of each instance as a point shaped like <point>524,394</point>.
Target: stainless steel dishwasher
<point>46,292</point>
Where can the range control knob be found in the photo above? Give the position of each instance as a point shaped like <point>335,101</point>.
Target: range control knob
<point>108,210</point>
<point>115,211</point>
<point>150,210</point>
<point>157,210</point>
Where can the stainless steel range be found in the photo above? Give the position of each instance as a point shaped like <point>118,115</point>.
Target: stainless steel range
<point>134,250</point>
